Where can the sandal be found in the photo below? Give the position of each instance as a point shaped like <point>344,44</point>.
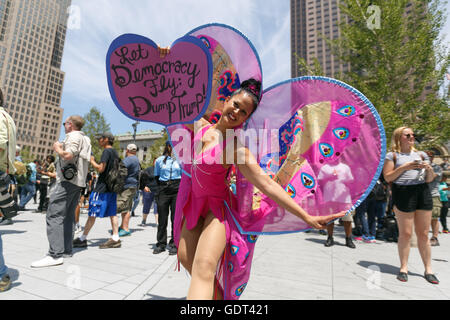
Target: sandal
<point>431,278</point>
<point>402,276</point>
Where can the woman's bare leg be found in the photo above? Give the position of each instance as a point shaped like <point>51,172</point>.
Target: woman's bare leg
<point>188,244</point>
<point>422,223</point>
<point>405,222</point>
<point>210,247</point>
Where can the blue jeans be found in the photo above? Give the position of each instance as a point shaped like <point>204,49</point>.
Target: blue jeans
<point>3,267</point>
<point>371,217</point>
<point>375,216</point>
<point>136,200</point>
<point>147,199</point>
<point>360,214</point>
<point>28,191</point>
<point>380,207</point>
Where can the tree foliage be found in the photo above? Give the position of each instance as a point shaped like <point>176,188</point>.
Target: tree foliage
<point>95,123</point>
<point>155,150</point>
<point>26,155</point>
<point>400,65</point>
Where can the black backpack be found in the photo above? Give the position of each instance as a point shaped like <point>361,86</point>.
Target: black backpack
<point>115,180</point>
<point>390,228</point>
<point>380,191</point>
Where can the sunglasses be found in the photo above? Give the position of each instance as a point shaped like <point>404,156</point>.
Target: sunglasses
<point>409,135</point>
<point>64,123</point>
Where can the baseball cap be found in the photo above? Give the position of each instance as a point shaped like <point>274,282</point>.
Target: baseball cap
<point>132,147</point>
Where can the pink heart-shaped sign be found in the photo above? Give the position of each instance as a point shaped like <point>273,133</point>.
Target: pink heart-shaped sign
<point>170,90</point>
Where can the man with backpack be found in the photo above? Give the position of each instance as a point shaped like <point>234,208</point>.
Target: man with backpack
<point>103,199</point>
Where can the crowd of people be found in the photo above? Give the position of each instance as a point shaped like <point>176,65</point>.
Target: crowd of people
<point>411,190</point>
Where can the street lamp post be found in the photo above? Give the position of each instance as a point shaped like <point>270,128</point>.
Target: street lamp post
<point>134,125</point>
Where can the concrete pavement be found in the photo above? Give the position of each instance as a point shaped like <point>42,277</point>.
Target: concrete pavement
<point>285,267</point>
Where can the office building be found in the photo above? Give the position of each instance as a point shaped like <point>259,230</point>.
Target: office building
<point>311,22</point>
<point>32,34</point>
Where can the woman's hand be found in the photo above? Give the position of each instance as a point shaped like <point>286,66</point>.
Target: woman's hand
<point>163,52</point>
<point>413,165</point>
<point>320,222</point>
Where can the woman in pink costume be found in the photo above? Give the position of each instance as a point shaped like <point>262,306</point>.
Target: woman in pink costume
<point>210,246</point>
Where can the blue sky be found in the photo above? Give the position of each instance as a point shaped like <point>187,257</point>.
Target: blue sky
<point>265,22</point>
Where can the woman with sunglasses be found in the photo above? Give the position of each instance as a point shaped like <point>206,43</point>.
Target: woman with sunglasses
<point>410,172</point>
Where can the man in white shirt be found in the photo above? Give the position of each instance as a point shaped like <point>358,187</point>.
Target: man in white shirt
<point>71,170</point>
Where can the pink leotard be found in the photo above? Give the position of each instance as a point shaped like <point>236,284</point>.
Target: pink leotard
<point>209,187</point>
<point>203,188</point>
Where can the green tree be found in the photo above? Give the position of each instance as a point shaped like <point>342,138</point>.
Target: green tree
<point>400,64</point>
<point>26,155</point>
<point>155,150</point>
<point>306,70</point>
<point>96,123</point>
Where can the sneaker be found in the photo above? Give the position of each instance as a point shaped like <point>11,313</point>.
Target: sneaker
<point>357,232</point>
<point>142,224</point>
<point>323,232</point>
<point>445,231</point>
<point>124,233</point>
<point>5,283</point>
<point>77,243</point>
<point>6,222</point>
<point>358,238</point>
<point>434,242</point>
<point>329,242</point>
<point>368,239</point>
<point>120,229</point>
<point>48,261</point>
<point>349,243</point>
<point>111,244</point>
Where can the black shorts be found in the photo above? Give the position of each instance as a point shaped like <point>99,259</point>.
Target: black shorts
<point>412,198</point>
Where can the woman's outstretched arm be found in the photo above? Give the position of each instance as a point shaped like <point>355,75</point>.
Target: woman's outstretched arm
<point>248,166</point>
